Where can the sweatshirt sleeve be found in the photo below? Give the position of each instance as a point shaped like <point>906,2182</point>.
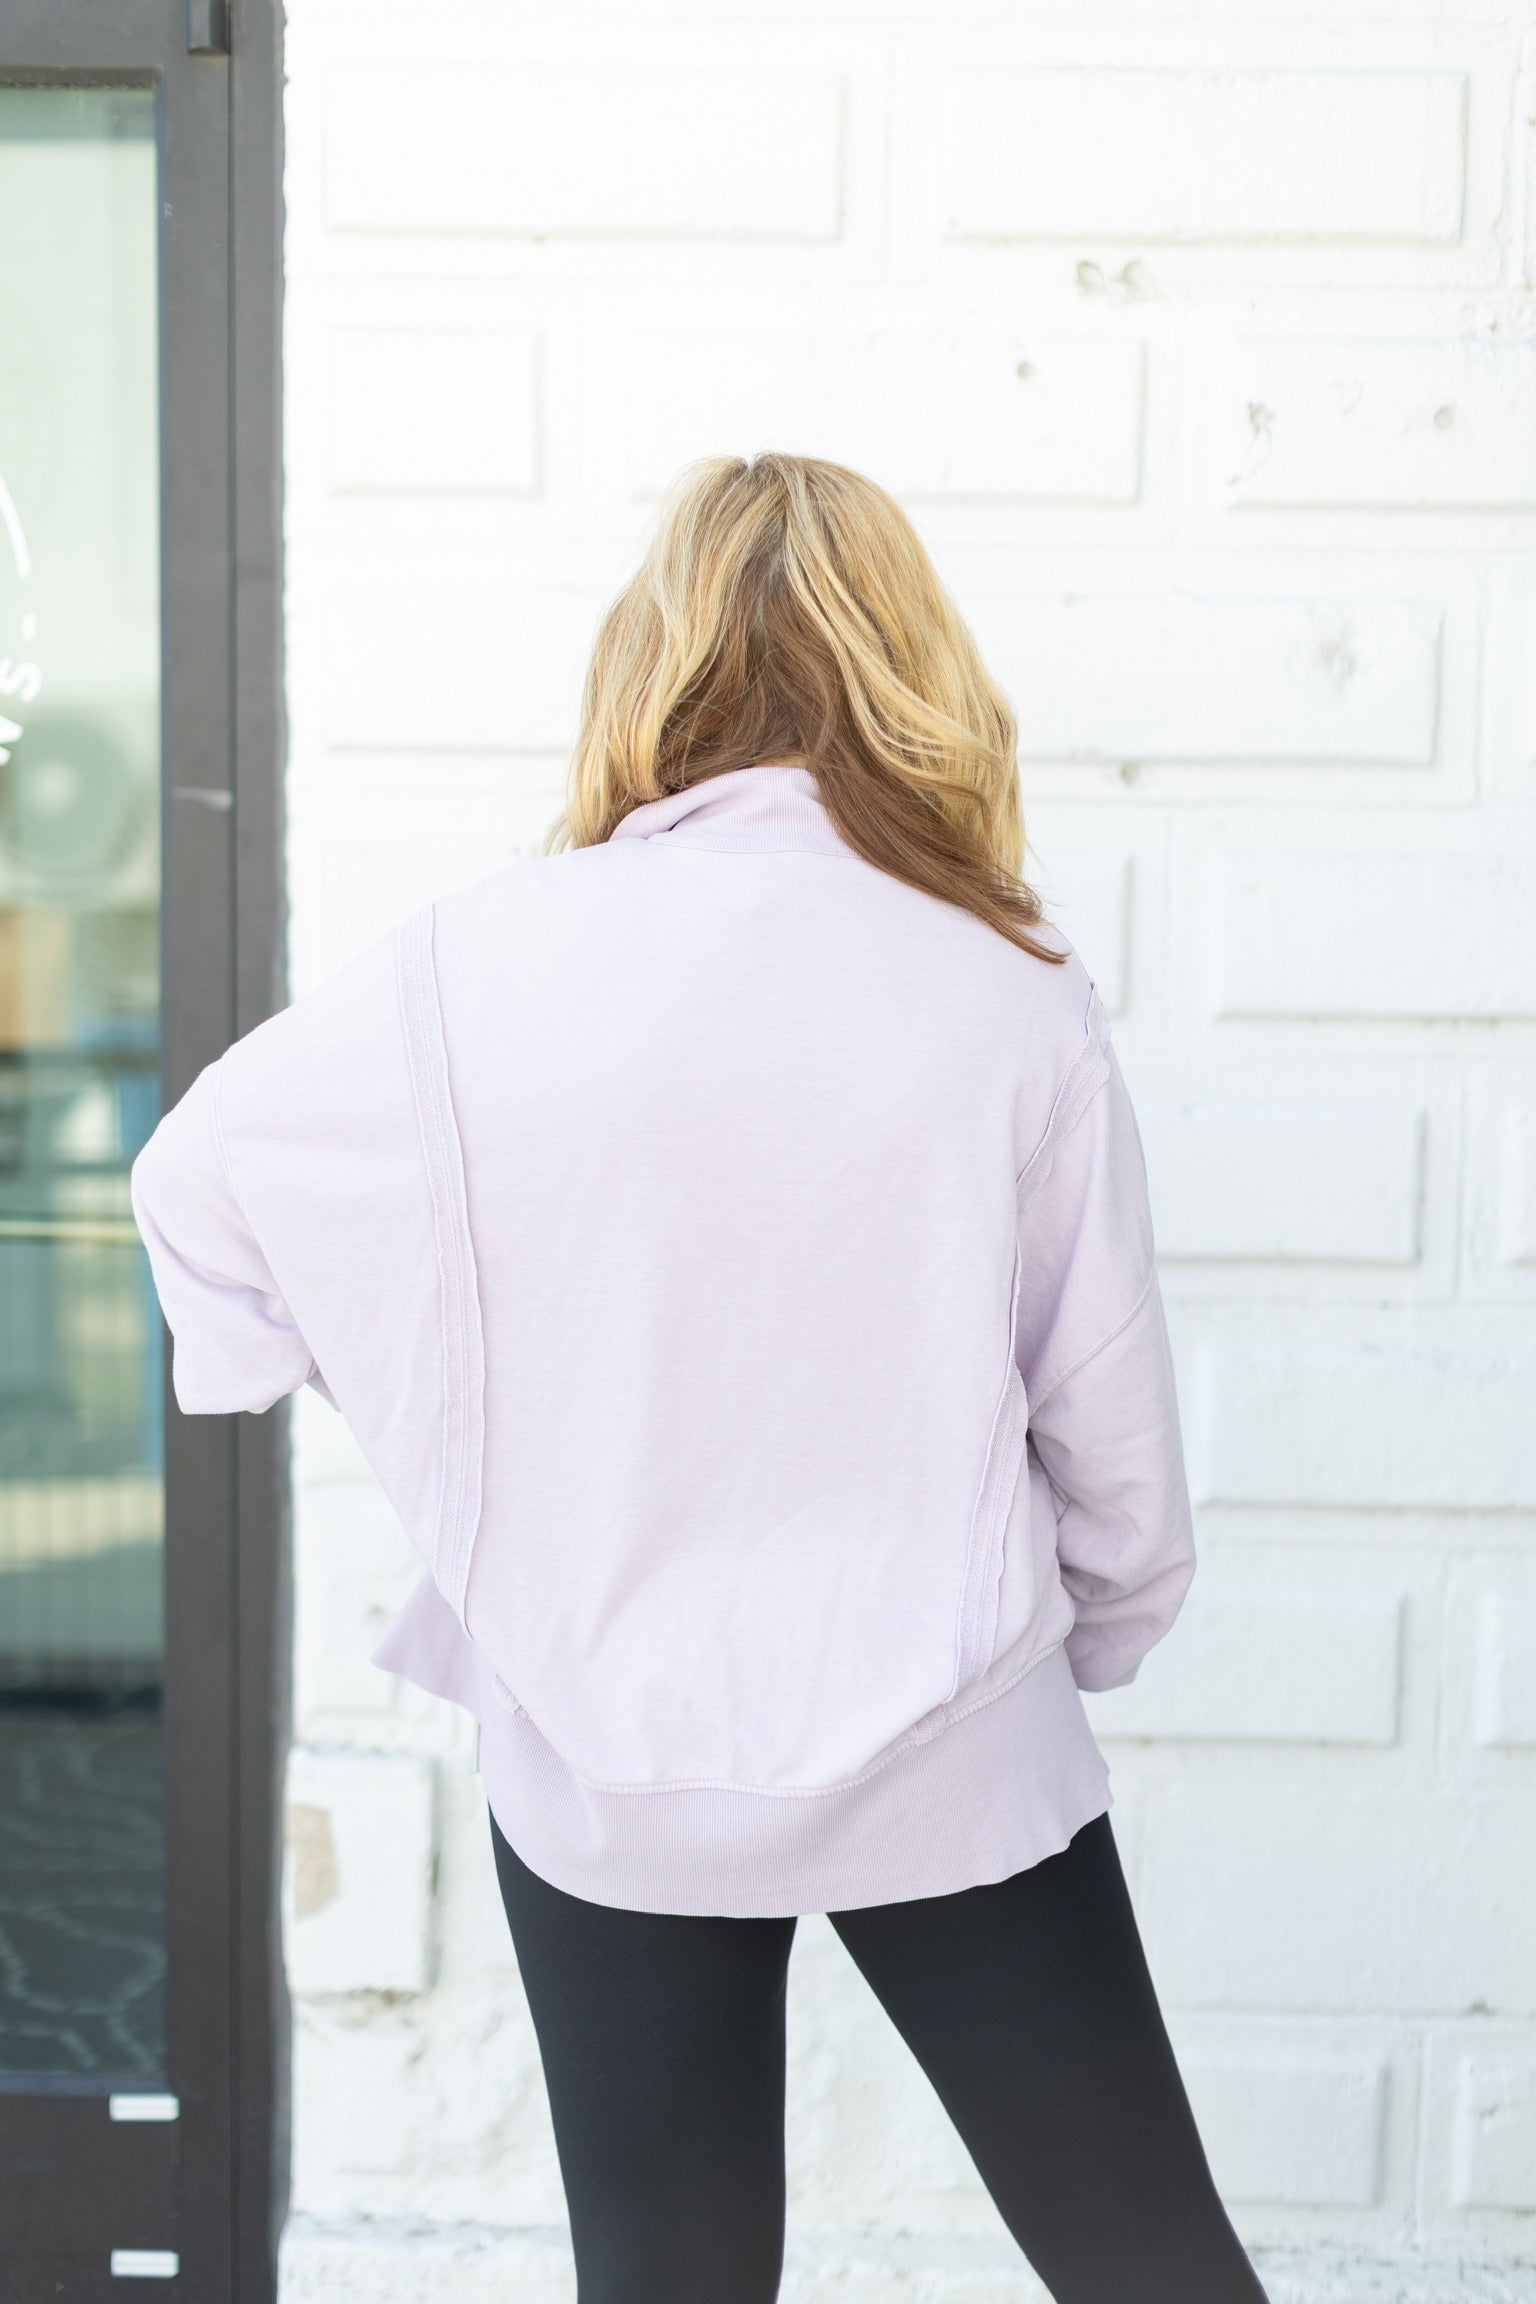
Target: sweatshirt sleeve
<point>236,1344</point>
<point>1098,1373</point>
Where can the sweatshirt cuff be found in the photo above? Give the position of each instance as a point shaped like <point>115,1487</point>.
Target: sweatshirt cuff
<point>1096,1665</point>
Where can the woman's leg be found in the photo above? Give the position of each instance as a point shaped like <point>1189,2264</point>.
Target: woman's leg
<point>663,2046</point>
<point>1030,2007</point>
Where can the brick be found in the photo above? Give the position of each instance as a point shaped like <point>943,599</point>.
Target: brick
<point>1525,717</point>
<point>1027,417</point>
<point>1268,1664</point>
<point>1507,737</point>
<point>1495,2150</point>
<point>358,1880</point>
<point>1349,934</point>
<point>1290,2129</point>
<point>449,410</point>
<point>1428,423</point>
<point>1173,677</point>
<point>1438,1420</point>
<point>1517,1183</point>
<point>1089,897</point>
<point>541,150</point>
<point>1205,155</point>
<point>1290,1891</point>
<point>450,670</point>
<point>355,1569</point>
<point>1504,1710</point>
<point>1240,1180</point>
<point>372,2098</point>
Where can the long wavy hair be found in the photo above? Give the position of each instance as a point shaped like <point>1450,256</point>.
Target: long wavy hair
<point>786,611</point>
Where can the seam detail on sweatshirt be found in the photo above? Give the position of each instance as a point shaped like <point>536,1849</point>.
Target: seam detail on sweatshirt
<point>221,1145</point>
<point>1080,1083</point>
<point>977,1615</point>
<point>1102,1345</point>
<point>946,1716</point>
<point>462,1342</point>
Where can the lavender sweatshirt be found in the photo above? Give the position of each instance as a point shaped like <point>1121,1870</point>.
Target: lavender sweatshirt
<point>736,1267</point>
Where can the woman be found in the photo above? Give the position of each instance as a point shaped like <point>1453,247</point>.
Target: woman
<point>728,1239</point>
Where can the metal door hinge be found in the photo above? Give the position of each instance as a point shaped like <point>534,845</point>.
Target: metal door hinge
<point>207,27</point>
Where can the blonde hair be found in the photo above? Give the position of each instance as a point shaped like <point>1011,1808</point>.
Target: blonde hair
<point>786,610</point>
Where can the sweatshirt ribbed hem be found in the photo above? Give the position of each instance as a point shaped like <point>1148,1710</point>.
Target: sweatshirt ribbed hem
<point>998,1790</point>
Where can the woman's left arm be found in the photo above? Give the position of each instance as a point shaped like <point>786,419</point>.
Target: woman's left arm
<point>1098,1373</point>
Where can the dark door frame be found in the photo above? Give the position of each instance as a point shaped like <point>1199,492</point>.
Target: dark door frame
<point>220,2170</point>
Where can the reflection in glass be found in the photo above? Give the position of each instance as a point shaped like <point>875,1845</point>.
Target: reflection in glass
<point>81,1489</point>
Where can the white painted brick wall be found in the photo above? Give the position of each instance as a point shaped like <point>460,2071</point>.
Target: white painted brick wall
<point>461,414</point>
<point>1329,2110</point>
<point>1506,1685</point>
<point>1442,935</point>
<point>1239,1180</point>
<point>1386,422</point>
<point>357,1888</point>
<point>1202,343</point>
<point>1047,418</point>
<point>1325,681</point>
<point>581,148</point>
<point>1496,2132</point>
<point>1273,1663</point>
<point>1205,155</point>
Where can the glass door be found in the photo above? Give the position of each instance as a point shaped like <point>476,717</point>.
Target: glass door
<point>82,1760</point>
<point>141,1626</point>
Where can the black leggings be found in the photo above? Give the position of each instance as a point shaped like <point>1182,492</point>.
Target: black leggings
<point>1027,2004</point>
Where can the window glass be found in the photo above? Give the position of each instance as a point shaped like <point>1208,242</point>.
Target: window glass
<point>81,1489</point>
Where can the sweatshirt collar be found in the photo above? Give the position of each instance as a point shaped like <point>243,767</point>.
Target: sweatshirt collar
<point>767,807</point>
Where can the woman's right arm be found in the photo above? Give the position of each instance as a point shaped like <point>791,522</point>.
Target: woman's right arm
<point>237,1345</point>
